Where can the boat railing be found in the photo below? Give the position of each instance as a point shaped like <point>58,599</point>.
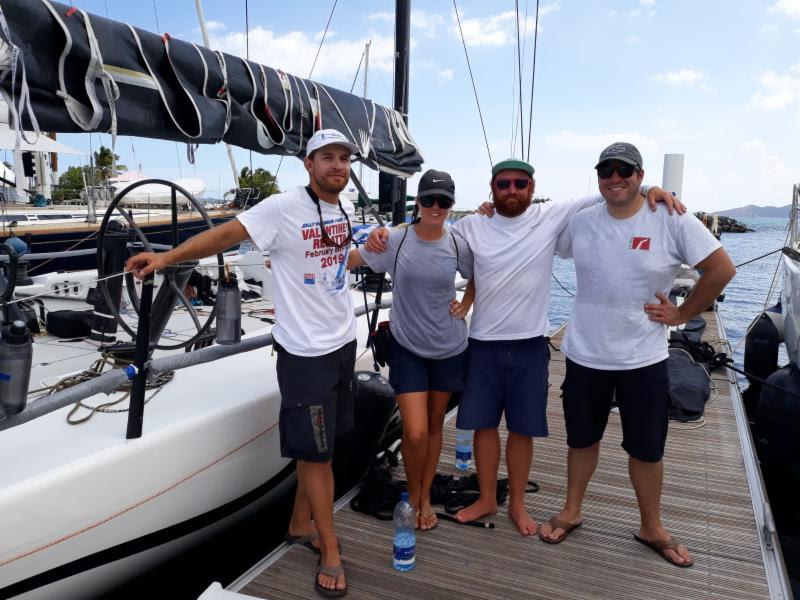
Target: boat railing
<point>144,368</point>
<point>774,565</point>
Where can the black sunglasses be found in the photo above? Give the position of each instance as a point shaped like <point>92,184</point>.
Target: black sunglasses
<point>623,171</point>
<point>504,184</point>
<point>442,201</point>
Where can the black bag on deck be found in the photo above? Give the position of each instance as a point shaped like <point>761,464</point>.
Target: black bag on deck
<point>689,386</point>
<point>70,323</point>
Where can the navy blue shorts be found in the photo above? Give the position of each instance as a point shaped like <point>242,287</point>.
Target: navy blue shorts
<point>506,376</point>
<point>643,400</point>
<point>409,372</point>
<point>316,401</point>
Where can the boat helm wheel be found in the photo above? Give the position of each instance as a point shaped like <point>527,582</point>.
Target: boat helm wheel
<point>115,212</point>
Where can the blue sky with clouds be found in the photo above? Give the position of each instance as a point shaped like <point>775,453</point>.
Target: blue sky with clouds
<point>716,80</point>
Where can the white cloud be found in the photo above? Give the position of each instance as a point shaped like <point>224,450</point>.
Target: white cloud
<point>787,7</point>
<point>495,30</point>
<point>422,23</point>
<point>634,39</point>
<point>445,75</point>
<point>769,28</point>
<point>778,91</point>
<point>426,24</point>
<point>294,52</point>
<point>215,25</point>
<point>646,7</point>
<point>500,29</point>
<point>682,77</point>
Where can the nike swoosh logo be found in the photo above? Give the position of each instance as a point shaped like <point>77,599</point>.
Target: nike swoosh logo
<point>438,180</point>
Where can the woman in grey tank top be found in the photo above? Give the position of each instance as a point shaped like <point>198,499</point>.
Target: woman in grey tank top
<point>428,342</point>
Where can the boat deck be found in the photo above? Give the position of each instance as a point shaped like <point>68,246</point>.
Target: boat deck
<point>706,504</point>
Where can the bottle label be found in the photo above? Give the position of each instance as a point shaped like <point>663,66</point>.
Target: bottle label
<point>464,455</point>
<point>404,554</point>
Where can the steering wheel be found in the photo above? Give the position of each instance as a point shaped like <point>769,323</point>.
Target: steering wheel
<point>169,274</point>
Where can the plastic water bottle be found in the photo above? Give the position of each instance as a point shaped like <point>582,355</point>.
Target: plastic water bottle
<point>405,541</point>
<point>463,449</point>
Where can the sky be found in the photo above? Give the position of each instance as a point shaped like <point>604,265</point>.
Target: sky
<point>718,81</point>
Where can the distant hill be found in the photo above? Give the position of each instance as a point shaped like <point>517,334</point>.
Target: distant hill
<point>751,210</point>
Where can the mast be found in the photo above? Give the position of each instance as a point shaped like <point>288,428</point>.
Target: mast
<point>366,75</point>
<point>201,17</point>
<point>402,43</point>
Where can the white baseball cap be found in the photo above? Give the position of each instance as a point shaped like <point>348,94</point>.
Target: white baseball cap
<point>326,137</point>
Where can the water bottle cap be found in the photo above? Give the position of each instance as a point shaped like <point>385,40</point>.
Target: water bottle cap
<point>403,496</point>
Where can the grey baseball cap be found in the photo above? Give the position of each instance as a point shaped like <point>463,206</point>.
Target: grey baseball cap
<point>623,152</point>
<point>436,183</point>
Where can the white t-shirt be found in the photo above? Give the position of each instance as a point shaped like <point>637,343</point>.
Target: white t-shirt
<point>313,306</point>
<point>512,268</point>
<point>620,264</point>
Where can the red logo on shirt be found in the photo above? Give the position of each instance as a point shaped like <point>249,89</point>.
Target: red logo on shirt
<point>640,243</point>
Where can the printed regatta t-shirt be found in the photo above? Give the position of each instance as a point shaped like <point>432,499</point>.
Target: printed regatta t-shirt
<point>313,305</point>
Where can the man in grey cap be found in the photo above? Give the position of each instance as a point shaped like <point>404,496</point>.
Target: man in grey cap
<point>508,355</point>
<point>307,231</point>
<point>626,259</point>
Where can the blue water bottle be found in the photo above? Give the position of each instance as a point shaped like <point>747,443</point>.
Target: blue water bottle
<point>405,541</point>
<point>463,449</point>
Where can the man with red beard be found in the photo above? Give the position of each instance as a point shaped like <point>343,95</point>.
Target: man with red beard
<point>507,364</point>
<point>308,233</point>
<point>626,259</point>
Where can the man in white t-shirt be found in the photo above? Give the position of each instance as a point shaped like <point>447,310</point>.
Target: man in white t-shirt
<point>508,354</point>
<point>626,259</point>
<point>307,231</point>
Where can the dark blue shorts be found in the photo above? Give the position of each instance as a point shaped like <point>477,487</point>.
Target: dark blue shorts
<point>316,401</point>
<point>506,376</point>
<point>409,372</point>
<point>643,400</point>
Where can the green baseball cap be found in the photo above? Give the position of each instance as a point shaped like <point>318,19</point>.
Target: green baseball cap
<point>512,164</point>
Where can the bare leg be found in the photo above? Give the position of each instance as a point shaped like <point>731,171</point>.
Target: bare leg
<point>519,454</point>
<point>316,480</point>
<point>647,479</point>
<point>487,461</point>
<point>414,411</point>
<point>437,406</point>
<point>581,463</point>
<point>301,523</point>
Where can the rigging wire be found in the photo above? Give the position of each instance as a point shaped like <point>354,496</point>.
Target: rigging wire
<point>474,89</point>
<point>562,286</point>
<point>519,77</point>
<point>247,55</point>
<point>533,80</point>
<point>311,72</point>
<point>358,70</point>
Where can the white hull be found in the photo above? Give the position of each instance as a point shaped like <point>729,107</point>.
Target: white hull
<point>79,502</point>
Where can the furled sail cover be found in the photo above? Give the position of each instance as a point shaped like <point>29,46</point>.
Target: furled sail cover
<point>87,73</point>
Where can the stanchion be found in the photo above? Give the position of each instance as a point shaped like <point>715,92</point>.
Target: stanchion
<point>141,356</point>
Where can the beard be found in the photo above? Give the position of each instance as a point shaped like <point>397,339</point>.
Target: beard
<point>511,206</point>
<point>328,185</point>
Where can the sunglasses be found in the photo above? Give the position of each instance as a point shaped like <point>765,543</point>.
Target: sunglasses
<point>623,171</point>
<point>504,184</point>
<point>442,201</point>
